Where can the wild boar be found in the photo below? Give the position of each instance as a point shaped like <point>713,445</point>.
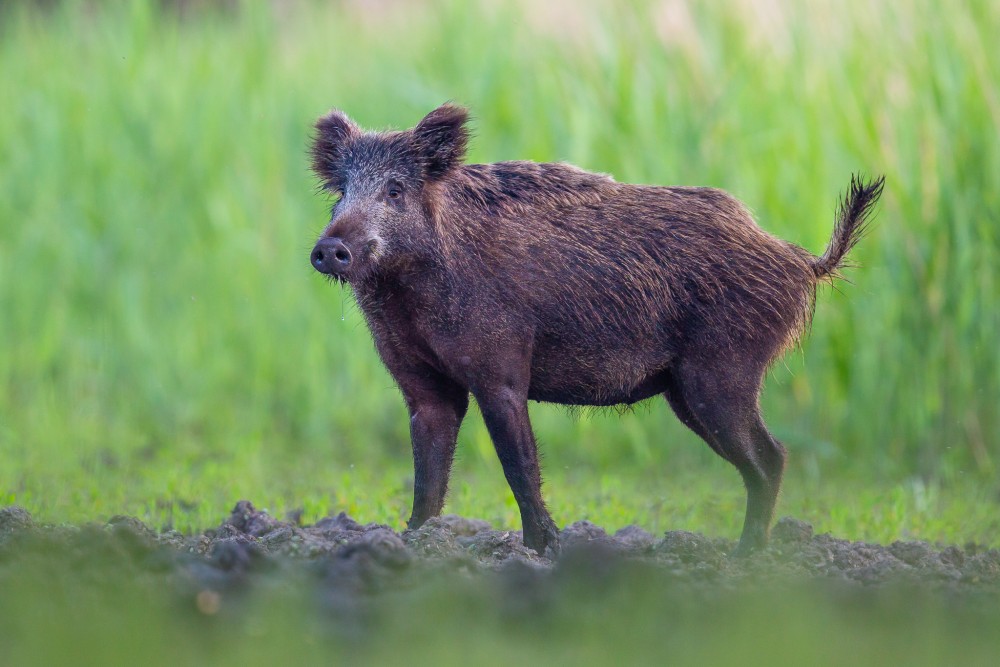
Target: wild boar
<point>519,281</point>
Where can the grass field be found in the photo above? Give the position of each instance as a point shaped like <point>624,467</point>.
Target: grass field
<point>110,611</point>
<point>166,349</point>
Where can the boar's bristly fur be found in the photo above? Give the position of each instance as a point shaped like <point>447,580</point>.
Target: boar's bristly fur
<point>520,281</point>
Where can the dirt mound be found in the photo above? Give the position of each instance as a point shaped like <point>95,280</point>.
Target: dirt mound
<point>351,560</point>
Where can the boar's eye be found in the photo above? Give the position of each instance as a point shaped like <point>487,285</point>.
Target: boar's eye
<point>394,191</point>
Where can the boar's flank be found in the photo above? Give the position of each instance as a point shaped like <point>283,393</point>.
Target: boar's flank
<point>515,281</point>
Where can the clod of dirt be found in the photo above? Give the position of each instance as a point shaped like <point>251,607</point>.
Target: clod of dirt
<point>581,532</point>
<point>792,530</point>
<point>911,553</point>
<point>680,545</point>
<point>386,546</point>
<point>14,518</point>
<point>494,548</point>
<point>337,524</point>
<point>434,539</point>
<point>246,519</point>
<point>863,556</point>
<point>462,527</point>
<point>635,539</point>
<point>982,567</point>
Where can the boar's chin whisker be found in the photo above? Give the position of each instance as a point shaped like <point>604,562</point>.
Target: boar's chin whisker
<point>331,279</point>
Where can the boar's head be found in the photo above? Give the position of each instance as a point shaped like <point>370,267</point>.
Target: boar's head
<point>382,185</point>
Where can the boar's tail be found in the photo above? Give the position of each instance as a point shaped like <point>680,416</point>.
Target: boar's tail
<point>852,223</point>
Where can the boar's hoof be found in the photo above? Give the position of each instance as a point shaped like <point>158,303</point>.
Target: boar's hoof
<point>543,539</point>
<point>750,543</point>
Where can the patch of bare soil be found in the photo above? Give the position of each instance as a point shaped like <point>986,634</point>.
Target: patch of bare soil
<point>348,562</point>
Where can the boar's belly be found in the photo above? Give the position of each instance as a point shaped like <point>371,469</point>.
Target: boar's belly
<point>601,379</point>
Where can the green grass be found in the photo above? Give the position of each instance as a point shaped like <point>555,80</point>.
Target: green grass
<point>619,615</point>
<point>694,492</point>
<point>615,616</point>
<point>167,349</point>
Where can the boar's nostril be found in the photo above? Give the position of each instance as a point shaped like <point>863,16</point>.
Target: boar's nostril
<point>341,255</point>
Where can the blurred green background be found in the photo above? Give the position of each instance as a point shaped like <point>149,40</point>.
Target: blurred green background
<point>166,349</point>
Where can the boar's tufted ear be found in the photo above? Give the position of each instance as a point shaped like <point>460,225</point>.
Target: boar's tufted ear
<point>441,138</point>
<point>334,132</point>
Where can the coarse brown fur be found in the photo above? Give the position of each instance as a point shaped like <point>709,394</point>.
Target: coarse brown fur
<point>520,281</point>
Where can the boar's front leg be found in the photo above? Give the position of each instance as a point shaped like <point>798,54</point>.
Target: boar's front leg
<point>505,411</point>
<point>436,407</point>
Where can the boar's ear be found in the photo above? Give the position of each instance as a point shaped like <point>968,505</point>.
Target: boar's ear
<point>334,132</point>
<point>441,138</point>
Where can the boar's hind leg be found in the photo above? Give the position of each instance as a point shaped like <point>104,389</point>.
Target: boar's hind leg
<point>720,405</point>
<point>436,412</point>
<point>505,412</point>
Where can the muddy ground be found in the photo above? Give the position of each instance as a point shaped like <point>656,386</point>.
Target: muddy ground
<point>346,562</point>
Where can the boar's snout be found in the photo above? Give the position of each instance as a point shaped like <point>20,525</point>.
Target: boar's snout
<point>331,256</point>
